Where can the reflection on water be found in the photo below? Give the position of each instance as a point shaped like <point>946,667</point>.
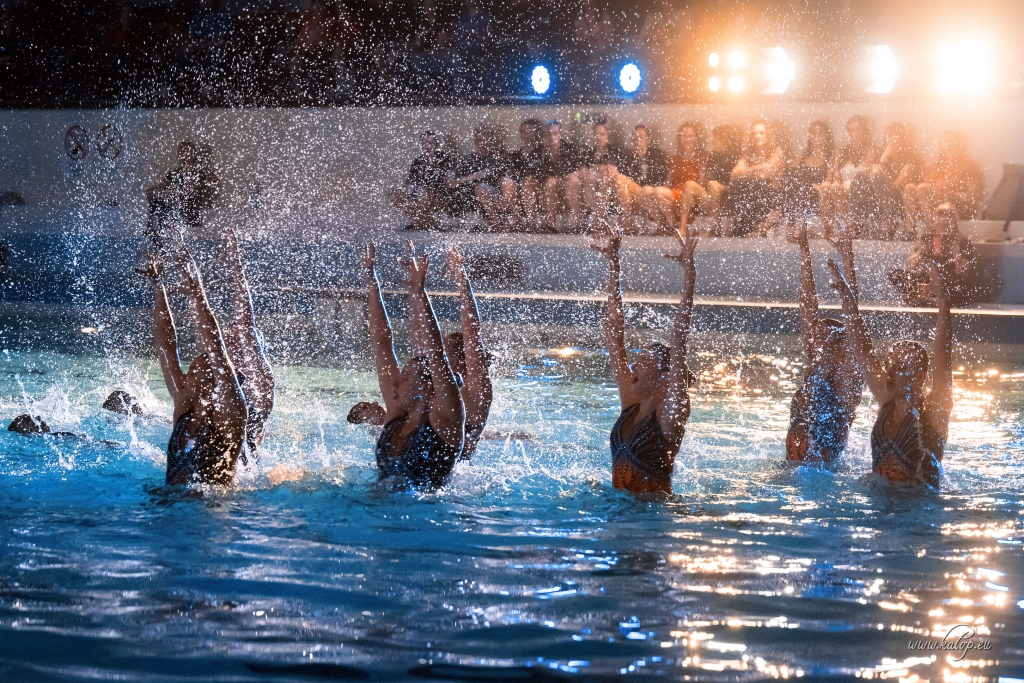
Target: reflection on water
<point>528,561</point>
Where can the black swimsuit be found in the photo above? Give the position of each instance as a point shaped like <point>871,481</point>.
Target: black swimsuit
<point>202,458</point>
<point>647,452</point>
<point>819,413</point>
<point>473,433</point>
<point>426,461</point>
<point>915,446</point>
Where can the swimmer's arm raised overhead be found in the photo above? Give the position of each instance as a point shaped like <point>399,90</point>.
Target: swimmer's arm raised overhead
<point>874,373</point>
<point>849,376</point>
<point>808,296</point>
<point>677,398</point>
<point>940,400</point>
<point>447,413</point>
<point>478,378</point>
<point>614,322</point>
<point>164,333</point>
<point>380,333</point>
<point>242,337</point>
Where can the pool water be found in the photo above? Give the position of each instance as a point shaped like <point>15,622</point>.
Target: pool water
<point>529,566</point>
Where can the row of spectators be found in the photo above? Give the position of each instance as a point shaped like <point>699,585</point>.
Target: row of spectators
<point>286,52</point>
<point>743,183</point>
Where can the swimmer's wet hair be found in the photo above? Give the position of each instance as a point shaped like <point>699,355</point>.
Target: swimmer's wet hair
<point>367,412</point>
<point>663,353</point>
<point>456,346</point>
<point>914,349</point>
<point>28,424</point>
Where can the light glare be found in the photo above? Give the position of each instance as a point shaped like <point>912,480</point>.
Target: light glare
<point>779,71</point>
<point>737,59</point>
<point>714,84</point>
<point>736,84</point>
<point>540,79</point>
<point>713,59</point>
<point>965,68</point>
<point>881,69</point>
<point>630,77</point>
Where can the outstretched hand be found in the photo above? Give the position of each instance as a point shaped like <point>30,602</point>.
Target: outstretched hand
<point>608,244</point>
<point>838,282</point>
<point>152,268</point>
<point>798,235</point>
<point>369,261</point>
<point>456,265</point>
<point>938,284</point>
<point>416,269</point>
<point>231,252</point>
<point>687,245</point>
<point>842,238</point>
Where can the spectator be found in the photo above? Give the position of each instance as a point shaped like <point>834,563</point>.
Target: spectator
<point>559,181</point>
<point>600,170</point>
<point>955,178</point>
<point>482,180</point>
<point>524,169</point>
<point>954,255</point>
<point>425,192</point>
<point>848,193</point>
<point>327,36</point>
<point>754,190</point>
<point>898,165</point>
<point>803,182</point>
<point>643,176</point>
<point>187,188</point>
<point>688,171</point>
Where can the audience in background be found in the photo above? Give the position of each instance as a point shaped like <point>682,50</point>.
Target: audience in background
<point>954,178</point>
<point>803,182</point>
<point>942,244</point>
<point>426,192</point>
<point>688,170</point>
<point>524,169</point>
<point>896,167</point>
<point>559,180</point>
<point>754,191</point>
<point>482,180</point>
<point>643,175</point>
<point>599,175</point>
<point>848,193</point>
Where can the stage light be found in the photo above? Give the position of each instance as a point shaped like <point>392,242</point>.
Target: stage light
<point>713,59</point>
<point>882,69</point>
<point>540,79</point>
<point>737,59</point>
<point>736,84</point>
<point>779,71</point>
<point>965,68</point>
<point>714,84</point>
<point>630,77</point>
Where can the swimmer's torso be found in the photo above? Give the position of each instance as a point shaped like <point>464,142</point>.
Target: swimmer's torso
<point>911,448</point>
<point>643,462</point>
<point>819,421</point>
<point>423,458</point>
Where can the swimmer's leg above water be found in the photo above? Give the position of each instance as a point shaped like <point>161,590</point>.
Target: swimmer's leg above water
<point>910,432</point>
<point>210,410</point>
<point>469,357</point>
<point>825,405</point>
<point>246,346</point>
<point>654,390</point>
<point>425,418</point>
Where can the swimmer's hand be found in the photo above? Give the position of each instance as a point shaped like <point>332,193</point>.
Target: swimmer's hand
<point>798,235</point>
<point>369,262</point>
<point>842,239</point>
<point>937,282</point>
<point>416,268</point>
<point>608,244</point>
<point>152,269</point>
<point>687,245</point>
<point>456,266</point>
<point>839,283</point>
<point>231,252</point>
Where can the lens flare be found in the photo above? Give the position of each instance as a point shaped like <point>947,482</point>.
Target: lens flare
<point>964,68</point>
<point>881,70</point>
<point>714,59</point>
<point>540,79</point>
<point>736,84</point>
<point>714,84</point>
<point>737,59</point>
<point>779,71</point>
<point>630,77</point>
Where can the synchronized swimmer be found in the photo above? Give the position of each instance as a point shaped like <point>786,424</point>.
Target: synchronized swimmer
<point>436,405</point>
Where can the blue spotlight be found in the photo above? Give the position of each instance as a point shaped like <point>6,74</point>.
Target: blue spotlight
<point>540,79</point>
<point>630,77</point>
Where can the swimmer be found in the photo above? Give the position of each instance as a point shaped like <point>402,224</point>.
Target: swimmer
<point>825,405</point>
<point>210,408</point>
<point>367,413</point>
<point>910,432</point>
<point>468,357</point>
<point>247,349</point>
<point>654,390</point>
<point>122,403</point>
<point>425,418</point>
<point>27,425</point>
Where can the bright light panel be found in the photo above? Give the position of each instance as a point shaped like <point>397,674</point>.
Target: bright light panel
<point>737,59</point>
<point>714,84</point>
<point>779,71</point>
<point>630,77</point>
<point>714,59</point>
<point>736,84</point>
<point>882,69</point>
<point>540,79</point>
<point>965,68</point>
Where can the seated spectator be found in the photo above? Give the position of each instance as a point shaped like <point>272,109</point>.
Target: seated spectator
<point>524,169</point>
<point>942,244</point>
<point>898,165</point>
<point>955,178</point>
<point>848,193</point>
<point>186,189</point>
<point>559,182</point>
<point>688,171</point>
<point>599,173</point>
<point>643,178</point>
<point>804,180</point>
<point>425,192</point>
<point>482,180</point>
<point>754,189</point>
<point>724,153</point>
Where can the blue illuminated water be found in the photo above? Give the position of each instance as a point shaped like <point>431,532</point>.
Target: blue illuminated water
<point>529,559</point>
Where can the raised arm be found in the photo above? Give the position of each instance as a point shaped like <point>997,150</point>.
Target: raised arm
<point>676,408</point>
<point>874,373</point>
<point>614,322</point>
<point>164,334</point>
<point>380,333</point>
<point>808,296</point>
<point>208,333</point>
<point>477,390</point>
<point>940,400</point>
<point>447,413</point>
